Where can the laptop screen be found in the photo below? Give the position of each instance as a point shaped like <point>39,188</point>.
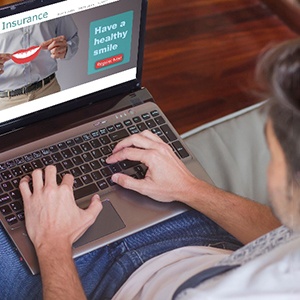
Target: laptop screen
<point>57,56</point>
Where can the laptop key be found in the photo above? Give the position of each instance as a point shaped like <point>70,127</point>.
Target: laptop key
<point>70,142</point>
<point>111,183</point>
<point>7,186</point>
<point>106,172</point>
<point>53,148</point>
<point>4,199</point>
<point>45,151</point>
<point>133,130</point>
<point>16,182</point>
<point>102,184</point>
<point>119,126</point>
<point>102,160</point>
<point>76,150</point>
<point>95,143</point>
<point>37,164</point>
<point>168,132</point>
<point>77,183</point>
<point>67,153</point>
<point>5,210</point>
<point>57,157</point>
<point>142,126</point>
<point>11,220</point>
<point>150,124</point>
<point>154,113</point>
<point>59,168</point>
<point>85,168</point>
<point>19,161</point>
<point>86,137</point>
<point>27,168</point>
<point>146,116</point>
<point>47,160</point>
<point>87,157</point>
<point>137,119</point>
<point>3,167</point>
<point>159,120</point>
<point>67,164</point>
<point>179,148</point>
<point>76,172</point>
<point>62,145</point>
<point>119,135</point>
<point>104,140</point>
<point>15,195</point>
<point>86,190</point>
<point>96,153</point>
<point>95,165</point>
<point>16,206</point>
<point>6,175</point>
<point>86,179</point>
<point>21,216</point>
<point>126,164</point>
<point>77,160</point>
<point>127,122</point>
<point>96,175</point>
<point>106,150</point>
<point>86,147</point>
<point>10,164</point>
<point>115,168</point>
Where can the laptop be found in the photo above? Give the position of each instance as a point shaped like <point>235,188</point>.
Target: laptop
<point>101,101</point>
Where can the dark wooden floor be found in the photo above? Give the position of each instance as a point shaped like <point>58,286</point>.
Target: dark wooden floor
<point>200,56</point>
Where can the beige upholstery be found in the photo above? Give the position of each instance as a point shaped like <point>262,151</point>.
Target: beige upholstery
<point>234,153</point>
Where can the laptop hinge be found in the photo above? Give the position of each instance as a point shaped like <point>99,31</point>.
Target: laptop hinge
<point>136,101</point>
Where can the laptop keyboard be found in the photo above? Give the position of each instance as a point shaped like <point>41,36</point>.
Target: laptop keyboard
<point>84,157</point>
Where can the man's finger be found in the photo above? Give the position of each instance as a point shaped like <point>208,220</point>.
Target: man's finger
<point>152,136</point>
<point>50,175</point>
<point>128,182</point>
<point>68,179</point>
<point>91,214</point>
<point>133,154</point>
<point>95,207</point>
<point>24,187</point>
<point>139,141</point>
<point>37,179</point>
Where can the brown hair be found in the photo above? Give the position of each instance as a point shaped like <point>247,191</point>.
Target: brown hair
<point>278,72</point>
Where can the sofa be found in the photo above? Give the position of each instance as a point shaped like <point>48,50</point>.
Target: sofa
<point>234,152</point>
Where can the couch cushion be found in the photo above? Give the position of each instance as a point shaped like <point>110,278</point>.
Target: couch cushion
<point>234,153</point>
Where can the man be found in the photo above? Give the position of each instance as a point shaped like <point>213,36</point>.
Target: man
<point>267,267</point>
<point>28,59</point>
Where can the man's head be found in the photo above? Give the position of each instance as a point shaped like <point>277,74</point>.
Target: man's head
<point>279,72</point>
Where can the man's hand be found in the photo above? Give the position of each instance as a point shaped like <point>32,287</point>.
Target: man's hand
<point>51,213</point>
<point>167,178</point>
<point>57,46</point>
<point>4,57</point>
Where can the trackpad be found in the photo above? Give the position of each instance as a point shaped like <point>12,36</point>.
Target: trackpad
<point>107,222</point>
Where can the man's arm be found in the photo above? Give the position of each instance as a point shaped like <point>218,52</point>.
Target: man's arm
<point>54,222</point>
<point>167,179</point>
<point>59,274</point>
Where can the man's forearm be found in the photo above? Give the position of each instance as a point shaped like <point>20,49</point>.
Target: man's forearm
<point>245,219</point>
<point>59,275</point>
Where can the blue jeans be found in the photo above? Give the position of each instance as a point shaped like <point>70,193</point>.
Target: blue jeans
<point>103,271</point>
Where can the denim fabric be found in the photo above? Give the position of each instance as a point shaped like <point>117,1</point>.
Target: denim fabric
<point>103,271</point>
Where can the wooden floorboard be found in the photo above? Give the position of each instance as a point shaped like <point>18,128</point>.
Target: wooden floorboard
<point>200,56</point>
